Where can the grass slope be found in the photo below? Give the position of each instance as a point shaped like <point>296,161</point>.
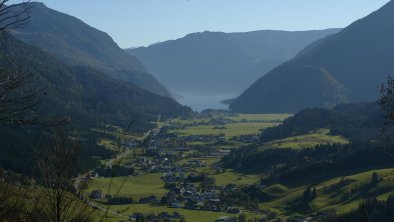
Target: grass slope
<point>136,187</point>
<point>341,194</point>
<point>316,137</point>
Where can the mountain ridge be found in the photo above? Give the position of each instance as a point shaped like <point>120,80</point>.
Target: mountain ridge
<point>78,44</point>
<point>219,62</point>
<point>359,57</point>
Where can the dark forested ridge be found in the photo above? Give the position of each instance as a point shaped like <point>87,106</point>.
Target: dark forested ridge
<point>76,43</point>
<point>222,63</point>
<point>348,65</point>
<point>90,99</point>
<point>85,94</point>
<point>359,122</point>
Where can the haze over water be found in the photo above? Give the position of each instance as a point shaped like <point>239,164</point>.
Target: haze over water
<point>199,102</point>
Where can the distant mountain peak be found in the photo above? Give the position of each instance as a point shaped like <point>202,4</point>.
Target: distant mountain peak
<point>218,63</point>
<point>76,43</point>
<point>358,58</point>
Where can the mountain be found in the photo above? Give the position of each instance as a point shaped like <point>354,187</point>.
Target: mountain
<point>76,43</point>
<point>91,100</point>
<point>86,95</point>
<point>347,66</point>
<point>221,63</point>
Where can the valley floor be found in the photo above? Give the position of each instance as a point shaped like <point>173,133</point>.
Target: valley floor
<point>164,173</point>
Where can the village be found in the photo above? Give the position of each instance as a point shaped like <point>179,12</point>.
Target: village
<point>187,172</point>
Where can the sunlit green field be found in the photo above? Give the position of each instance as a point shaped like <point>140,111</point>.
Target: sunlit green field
<point>332,195</point>
<point>231,177</point>
<point>312,139</point>
<point>233,129</point>
<point>135,187</point>
<point>235,117</point>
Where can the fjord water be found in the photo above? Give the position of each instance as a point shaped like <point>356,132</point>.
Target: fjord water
<point>199,102</point>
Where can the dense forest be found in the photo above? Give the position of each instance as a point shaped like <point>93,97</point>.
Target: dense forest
<point>82,95</point>
<point>358,122</point>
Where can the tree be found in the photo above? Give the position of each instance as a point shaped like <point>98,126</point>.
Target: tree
<point>59,198</point>
<point>15,106</point>
<point>18,98</point>
<point>208,182</point>
<point>14,14</point>
<point>12,204</point>
<point>12,107</point>
<point>242,217</point>
<point>309,194</point>
<point>386,103</point>
<point>374,179</point>
<point>314,193</point>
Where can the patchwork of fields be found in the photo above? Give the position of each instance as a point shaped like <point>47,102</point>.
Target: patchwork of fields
<point>339,194</point>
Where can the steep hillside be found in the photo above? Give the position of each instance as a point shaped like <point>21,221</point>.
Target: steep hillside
<point>83,93</point>
<point>89,98</point>
<point>357,60</point>
<point>221,63</point>
<point>78,44</point>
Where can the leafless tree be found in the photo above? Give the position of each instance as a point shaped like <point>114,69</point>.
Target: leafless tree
<point>17,101</point>
<point>18,97</point>
<point>16,105</point>
<point>56,200</point>
<point>60,199</point>
<point>14,14</point>
<point>12,203</point>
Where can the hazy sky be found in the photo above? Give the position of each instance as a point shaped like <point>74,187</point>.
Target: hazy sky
<point>142,22</point>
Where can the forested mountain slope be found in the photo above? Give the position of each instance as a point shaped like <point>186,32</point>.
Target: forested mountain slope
<point>78,44</point>
<point>347,66</point>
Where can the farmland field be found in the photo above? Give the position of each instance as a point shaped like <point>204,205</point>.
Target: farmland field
<point>131,186</point>
<point>232,129</point>
<point>312,139</point>
<point>341,194</point>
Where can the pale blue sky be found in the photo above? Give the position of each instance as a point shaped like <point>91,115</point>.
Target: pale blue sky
<point>142,22</point>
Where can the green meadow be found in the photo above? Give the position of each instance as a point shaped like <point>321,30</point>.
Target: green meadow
<point>321,136</point>
<point>130,186</point>
<point>341,194</point>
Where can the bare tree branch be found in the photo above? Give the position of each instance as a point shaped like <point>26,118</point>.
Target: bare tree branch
<point>14,15</point>
<point>61,200</point>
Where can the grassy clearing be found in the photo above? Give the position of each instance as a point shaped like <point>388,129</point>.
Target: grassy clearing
<point>312,139</point>
<point>109,144</point>
<point>233,129</point>
<point>230,176</point>
<point>135,187</point>
<point>246,124</point>
<point>341,194</point>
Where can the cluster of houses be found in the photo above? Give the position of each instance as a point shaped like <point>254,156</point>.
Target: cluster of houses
<point>182,193</point>
<point>156,165</point>
<point>314,217</point>
<point>202,138</point>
